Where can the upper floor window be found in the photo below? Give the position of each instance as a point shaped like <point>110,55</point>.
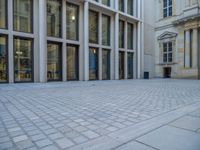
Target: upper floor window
<point>93,27</point>
<point>130,7</point>
<point>23,11</point>
<point>167,52</point>
<point>106,2</point>
<point>54,14</point>
<point>3,13</point>
<point>105,30</point>
<point>167,8</point>
<point>72,21</point>
<point>121,34</point>
<point>121,5</point>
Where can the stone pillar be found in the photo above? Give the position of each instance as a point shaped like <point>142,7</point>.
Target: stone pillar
<point>85,41</point>
<point>187,48</point>
<point>116,46</point>
<point>195,48</point>
<point>42,41</point>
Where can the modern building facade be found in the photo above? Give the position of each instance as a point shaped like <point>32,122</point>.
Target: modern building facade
<point>175,24</point>
<point>64,40</point>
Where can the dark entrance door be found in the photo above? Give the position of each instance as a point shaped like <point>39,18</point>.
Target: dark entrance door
<point>93,64</point>
<point>167,72</point>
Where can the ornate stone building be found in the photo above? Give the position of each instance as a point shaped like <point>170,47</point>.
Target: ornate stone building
<point>177,37</point>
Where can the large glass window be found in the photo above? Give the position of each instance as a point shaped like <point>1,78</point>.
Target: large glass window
<point>54,61</point>
<point>3,59</point>
<point>93,64</point>
<point>105,30</point>
<point>105,64</point>
<point>121,34</point>
<point>72,21</point>
<point>106,2</point>
<point>93,27</point>
<point>23,59</point>
<point>121,5</point>
<point>167,8</point>
<point>167,52</point>
<point>3,13</point>
<point>23,15</point>
<point>72,62</point>
<point>130,36</point>
<point>121,65</point>
<point>130,7</point>
<point>54,17</point>
<point>130,65</point>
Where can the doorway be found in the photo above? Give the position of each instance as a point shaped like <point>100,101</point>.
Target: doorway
<point>93,64</point>
<point>167,72</point>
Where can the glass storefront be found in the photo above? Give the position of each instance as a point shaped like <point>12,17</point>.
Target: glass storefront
<point>105,64</point>
<point>23,60</point>
<point>3,14</point>
<point>121,65</point>
<point>23,15</point>
<point>3,59</point>
<point>54,61</point>
<point>72,62</point>
<point>130,65</point>
<point>54,17</point>
<point>93,27</point>
<point>72,21</point>
<point>105,30</point>
<point>93,64</point>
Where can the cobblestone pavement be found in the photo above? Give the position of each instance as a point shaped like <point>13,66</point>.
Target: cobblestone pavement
<point>63,115</point>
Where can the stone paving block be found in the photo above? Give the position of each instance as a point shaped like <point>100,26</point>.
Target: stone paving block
<point>72,134</point>
<point>6,145</point>
<point>50,147</point>
<point>133,145</point>
<point>111,128</point>
<point>44,142</point>
<point>55,136</point>
<point>38,137</point>
<point>171,138</point>
<point>20,138</point>
<point>4,139</point>
<point>14,129</point>
<point>50,131</point>
<point>90,134</point>
<point>80,128</point>
<point>64,143</point>
<point>187,122</point>
<point>24,144</point>
<point>80,139</point>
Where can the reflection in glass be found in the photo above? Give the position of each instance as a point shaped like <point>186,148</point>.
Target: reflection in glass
<point>130,65</point>
<point>23,11</point>
<point>121,34</point>
<point>72,21</point>
<point>93,27</point>
<point>54,69</point>
<point>72,62</point>
<point>105,30</point>
<point>3,13</point>
<point>54,11</point>
<point>93,64</point>
<point>130,36</point>
<point>130,7</point>
<point>23,61</point>
<point>3,59</point>
<point>105,64</point>
<point>121,65</point>
<point>106,2</point>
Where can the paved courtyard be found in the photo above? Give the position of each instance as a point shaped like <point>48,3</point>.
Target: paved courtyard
<point>101,115</point>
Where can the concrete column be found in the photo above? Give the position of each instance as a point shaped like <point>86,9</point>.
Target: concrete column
<point>125,59</point>
<point>42,41</point>
<point>85,41</point>
<point>138,50</point>
<point>100,49</point>
<point>195,48</point>
<point>116,46</point>
<point>187,49</point>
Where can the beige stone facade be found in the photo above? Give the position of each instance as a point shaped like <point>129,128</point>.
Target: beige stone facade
<point>177,38</point>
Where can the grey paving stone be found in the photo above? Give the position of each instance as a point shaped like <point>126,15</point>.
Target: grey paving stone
<point>38,137</point>
<point>20,138</point>
<point>187,122</point>
<point>111,128</point>
<point>90,134</point>
<point>6,145</point>
<point>4,139</point>
<point>133,145</point>
<point>64,143</point>
<point>44,142</point>
<point>50,147</point>
<point>14,129</point>
<point>80,139</point>
<point>55,136</point>
<point>171,138</point>
<point>24,144</point>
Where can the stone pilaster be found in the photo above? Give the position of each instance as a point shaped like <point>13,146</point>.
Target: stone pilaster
<point>194,48</point>
<point>187,48</point>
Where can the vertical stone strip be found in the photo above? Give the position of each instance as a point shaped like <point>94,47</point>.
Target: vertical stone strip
<point>187,49</point>
<point>195,48</point>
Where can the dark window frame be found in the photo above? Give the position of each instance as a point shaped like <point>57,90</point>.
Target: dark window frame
<point>109,76</point>
<point>167,50</point>
<point>7,53</point>
<point>60,61</point>
<point>97,73</point>
<point>77,55</point>
<point>166,9</point>
<point>32,18</point>
<point>32,54</point>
